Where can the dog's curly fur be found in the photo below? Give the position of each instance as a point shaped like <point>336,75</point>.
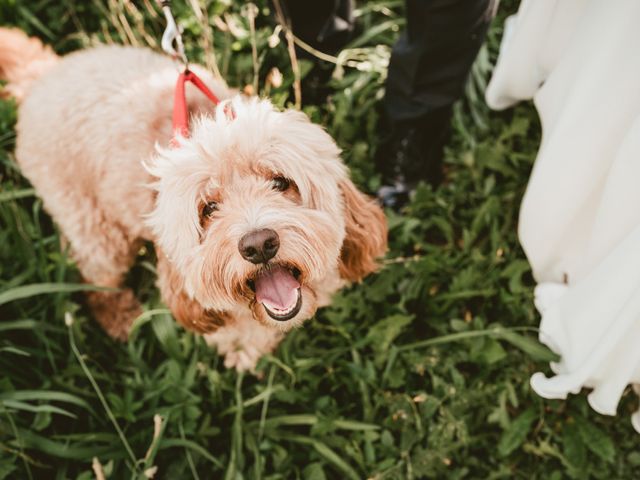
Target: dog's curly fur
<point>89,137</point>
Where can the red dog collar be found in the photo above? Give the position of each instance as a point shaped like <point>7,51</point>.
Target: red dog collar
<point>180,108</point>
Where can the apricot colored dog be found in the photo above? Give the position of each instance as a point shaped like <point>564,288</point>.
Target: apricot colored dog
<point>254,219</point>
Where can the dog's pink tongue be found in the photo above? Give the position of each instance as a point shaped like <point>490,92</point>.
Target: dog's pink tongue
<point>277,288</point>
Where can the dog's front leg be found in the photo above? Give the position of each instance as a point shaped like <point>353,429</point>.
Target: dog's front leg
<point>243,341</point>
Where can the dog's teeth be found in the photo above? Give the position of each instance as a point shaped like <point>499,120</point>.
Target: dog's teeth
<point>279,311</point>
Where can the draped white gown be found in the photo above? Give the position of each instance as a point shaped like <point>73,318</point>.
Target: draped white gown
<point>580,217</point>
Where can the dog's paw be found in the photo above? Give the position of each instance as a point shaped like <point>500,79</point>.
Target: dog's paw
<point>243,359</point>
<point>115,311</point>
<point>243,343</point>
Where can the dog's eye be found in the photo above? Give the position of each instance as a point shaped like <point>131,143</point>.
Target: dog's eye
<point>209,208</point>
<point>281,184</point>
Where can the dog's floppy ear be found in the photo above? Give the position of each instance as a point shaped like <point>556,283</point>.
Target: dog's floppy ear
<point>366,234</point>
<point>187,311</point>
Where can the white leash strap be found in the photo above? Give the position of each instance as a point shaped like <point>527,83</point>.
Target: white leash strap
<point>172,33</point>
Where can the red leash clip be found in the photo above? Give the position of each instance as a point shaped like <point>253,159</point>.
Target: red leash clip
<point>180,109</point>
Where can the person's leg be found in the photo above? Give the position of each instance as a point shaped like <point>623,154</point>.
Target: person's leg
<point>326,25</point>
<point>429,66</point>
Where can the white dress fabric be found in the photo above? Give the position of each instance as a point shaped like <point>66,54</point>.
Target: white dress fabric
<point>580,217</point>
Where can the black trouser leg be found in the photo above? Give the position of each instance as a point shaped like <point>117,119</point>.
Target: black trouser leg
<point>324,24</point>
<point>429,66</point>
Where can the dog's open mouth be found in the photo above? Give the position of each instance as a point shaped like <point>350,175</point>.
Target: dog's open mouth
<point>278,289</point>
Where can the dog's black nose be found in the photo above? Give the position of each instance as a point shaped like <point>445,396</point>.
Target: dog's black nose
<point>259,246</point>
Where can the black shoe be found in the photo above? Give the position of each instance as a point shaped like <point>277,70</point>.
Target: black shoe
<point>394,196</point>
<point>413,149</point>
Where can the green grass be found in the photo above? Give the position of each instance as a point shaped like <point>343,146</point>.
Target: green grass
<point>420,372</point>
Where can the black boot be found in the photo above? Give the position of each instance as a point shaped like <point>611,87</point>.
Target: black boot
<point>412,152</point>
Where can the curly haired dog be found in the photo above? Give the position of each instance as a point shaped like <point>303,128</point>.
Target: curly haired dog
<point>254,219</point>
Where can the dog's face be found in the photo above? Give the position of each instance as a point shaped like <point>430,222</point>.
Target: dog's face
<point>258,212</point>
